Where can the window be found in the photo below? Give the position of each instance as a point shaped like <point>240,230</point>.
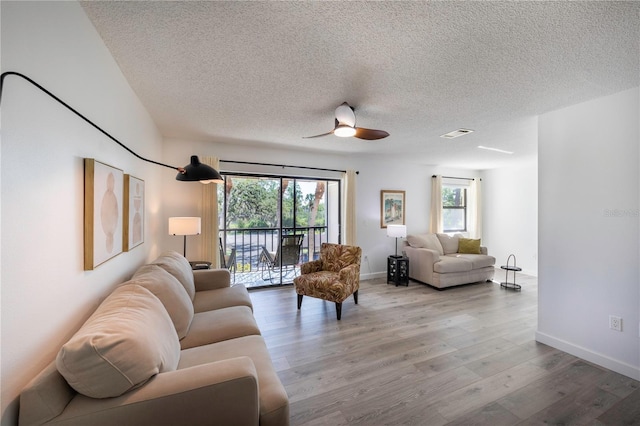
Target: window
<point>454,207</point>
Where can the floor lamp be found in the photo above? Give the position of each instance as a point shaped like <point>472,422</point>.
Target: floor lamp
<point>397,231</point>
<point>184,226</point>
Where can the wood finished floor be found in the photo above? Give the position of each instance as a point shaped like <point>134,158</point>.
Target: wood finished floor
<point>418,356</point>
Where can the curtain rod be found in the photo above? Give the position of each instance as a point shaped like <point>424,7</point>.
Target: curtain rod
<point>284,165</point>
<point>453,177</point>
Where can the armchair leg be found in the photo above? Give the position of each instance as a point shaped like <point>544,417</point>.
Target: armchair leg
<point>299,300</point>
<point>339,310</point>
<point>355,296</point>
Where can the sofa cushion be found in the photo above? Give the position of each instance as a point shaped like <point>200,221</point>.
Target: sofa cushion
<point>178,266</point>
<point>126,341</point>
<point>170,292</point>
<point>478,261</point>
<point>469,246</point>
<point>209,300</point>
<point>323,285</point>
<point>221,324</point>
<point>428,241</point>
<point>449,243</point>
<point>449,264</point>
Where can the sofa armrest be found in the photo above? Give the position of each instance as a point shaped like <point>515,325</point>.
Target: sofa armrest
<point>350,274</point>
<point>225,392</point>
<point>484,250</point>
<point>211,279</point>
<point>421,261</point>
<point>312,266</point>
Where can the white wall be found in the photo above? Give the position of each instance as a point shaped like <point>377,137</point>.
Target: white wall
<point>588,230</point>
<point>510,215</point>
<point>376,174</point>
<point>46,295</point>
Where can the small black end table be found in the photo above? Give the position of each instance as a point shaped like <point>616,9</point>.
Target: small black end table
<point>506,284</point>
<point>200,264</point>
<point>398,270</point>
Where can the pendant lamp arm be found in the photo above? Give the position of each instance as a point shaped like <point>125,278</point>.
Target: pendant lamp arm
<point>8,73</point>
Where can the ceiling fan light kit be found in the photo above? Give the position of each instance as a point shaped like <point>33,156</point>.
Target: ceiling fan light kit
<point>344,131</point>
<point>345,126</point>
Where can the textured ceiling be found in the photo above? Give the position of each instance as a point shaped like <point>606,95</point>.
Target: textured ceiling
<point>270,73</point>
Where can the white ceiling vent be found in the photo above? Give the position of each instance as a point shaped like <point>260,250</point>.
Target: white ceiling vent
<point>456,133</point>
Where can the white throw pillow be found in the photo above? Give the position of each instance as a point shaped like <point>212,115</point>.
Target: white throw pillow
<point>449,243</point>
<point>171,293</point>
<point>128,339</point>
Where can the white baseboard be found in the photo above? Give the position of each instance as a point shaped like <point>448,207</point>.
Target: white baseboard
<point>588,355</point>
<point>372,275</point>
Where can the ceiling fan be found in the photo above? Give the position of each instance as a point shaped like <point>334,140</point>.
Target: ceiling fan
<point>346,126</point>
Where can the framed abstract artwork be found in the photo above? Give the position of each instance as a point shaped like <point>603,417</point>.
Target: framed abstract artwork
<point>392,207</point>
<point>103,208</point>
<point>133,232</point>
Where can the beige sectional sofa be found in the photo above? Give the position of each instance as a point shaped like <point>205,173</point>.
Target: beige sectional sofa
<point>171,346</point>
<point>441,260</point>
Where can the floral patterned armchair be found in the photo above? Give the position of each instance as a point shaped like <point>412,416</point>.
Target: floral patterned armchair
<point>333,277</point>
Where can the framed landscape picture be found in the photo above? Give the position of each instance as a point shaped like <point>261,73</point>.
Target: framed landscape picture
<point>133,232</point>
<point>392,207</point>
<point>103,201</point>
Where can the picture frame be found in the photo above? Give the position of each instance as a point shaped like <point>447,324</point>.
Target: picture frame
<point>392,207</point>
<point>133,216</point>
<point>103,209</point>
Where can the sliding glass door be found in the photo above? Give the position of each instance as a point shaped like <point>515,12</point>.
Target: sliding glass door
<point>274,223</point>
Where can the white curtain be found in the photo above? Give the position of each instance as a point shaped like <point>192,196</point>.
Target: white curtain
<point>349,215</point>
<point>435,221</point>
<point>210,231</point>
<point>475,209</point>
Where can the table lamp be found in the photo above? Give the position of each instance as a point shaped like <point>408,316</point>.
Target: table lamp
<point>184,226</point>
<point>397,231</point>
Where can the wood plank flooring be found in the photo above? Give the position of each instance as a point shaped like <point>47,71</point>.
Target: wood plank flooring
<point>418,356</point>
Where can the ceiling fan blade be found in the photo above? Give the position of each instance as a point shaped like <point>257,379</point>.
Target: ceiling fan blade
<point>345,114</point>
<point>318,136</point>
<point>370,134</point>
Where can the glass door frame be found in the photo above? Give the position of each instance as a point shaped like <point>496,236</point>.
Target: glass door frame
<point>223,231</point>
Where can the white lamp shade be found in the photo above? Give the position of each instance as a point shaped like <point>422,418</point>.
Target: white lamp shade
<point>184,225</point>
<point>397,231</point>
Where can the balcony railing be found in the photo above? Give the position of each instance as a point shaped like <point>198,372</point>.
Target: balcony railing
<point>248,243</point>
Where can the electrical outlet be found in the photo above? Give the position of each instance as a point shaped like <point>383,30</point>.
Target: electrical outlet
<point>615,323</point>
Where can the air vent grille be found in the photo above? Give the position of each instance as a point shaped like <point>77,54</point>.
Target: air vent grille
<point>456,133</point>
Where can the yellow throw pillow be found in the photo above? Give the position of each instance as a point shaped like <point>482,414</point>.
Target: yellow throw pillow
<point>468,246</point>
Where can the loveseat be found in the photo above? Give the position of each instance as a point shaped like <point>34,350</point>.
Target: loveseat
<point>171,346</point>
<point>442,260</point>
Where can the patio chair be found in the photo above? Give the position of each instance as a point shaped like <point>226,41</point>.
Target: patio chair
<point>228,261</point>
<point>333,277</point>
<point>287,255</point>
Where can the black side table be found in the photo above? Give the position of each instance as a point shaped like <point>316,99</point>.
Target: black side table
<point>200,264</point>
<point>398,270</point>
<point>506,284</point>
